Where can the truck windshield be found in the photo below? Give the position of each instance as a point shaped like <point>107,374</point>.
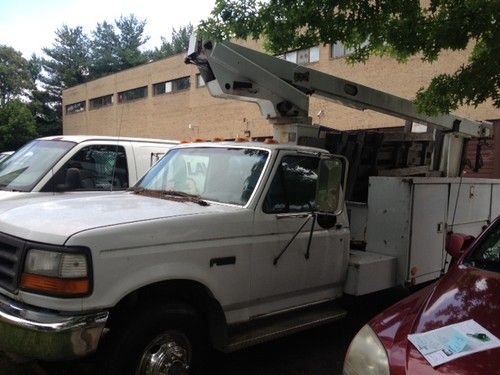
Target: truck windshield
<point>487,253</point>
<point>226,175</point>
<point>23,170</point>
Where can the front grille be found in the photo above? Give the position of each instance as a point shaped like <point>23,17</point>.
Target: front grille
<point>10,259</point>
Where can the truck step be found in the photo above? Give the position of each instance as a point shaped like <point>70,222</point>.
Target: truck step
<point>281,325</point>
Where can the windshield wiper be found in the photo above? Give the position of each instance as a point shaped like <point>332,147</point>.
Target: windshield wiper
<point>192,197</point>
<point>170,194</point>
<point>180,194</point>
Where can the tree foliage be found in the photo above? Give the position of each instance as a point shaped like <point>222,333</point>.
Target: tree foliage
<point>68,59</point>
<point>46,107</point>
<point>66,65</point>
<point>179,43</point>
<point>117,47</point>
<point>15,74</point>
<point>104,52</point>
<point>399,29</point>
<point>17,125</point>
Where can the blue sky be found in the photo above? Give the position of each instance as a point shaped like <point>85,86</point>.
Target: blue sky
<point>29,25</point>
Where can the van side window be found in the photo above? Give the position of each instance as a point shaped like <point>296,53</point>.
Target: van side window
<point>96,167</point>
<point>293,186</point>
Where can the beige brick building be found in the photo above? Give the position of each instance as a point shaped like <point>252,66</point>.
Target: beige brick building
<point>166,99</point>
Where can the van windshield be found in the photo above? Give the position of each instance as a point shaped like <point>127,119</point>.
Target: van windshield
<point>27,166</point>
<point>218,174</point>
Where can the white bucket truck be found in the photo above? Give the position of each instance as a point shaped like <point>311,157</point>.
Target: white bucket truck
<point>221,245</point>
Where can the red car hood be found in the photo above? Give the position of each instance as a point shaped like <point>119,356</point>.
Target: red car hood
<point>463,293</point>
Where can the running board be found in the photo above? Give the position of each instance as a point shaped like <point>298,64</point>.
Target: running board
<point>282,325</point>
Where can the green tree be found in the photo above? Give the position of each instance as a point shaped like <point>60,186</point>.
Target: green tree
<point>41,103</point>
<point>15,77</point>
<point>67,65</point>
<point>131,31</point>
<point>68,62</point>
<point>399,29</point>
<point>179,43</point>
<point>17,125</point>
<point>117,47</point>
<point>104,47</point>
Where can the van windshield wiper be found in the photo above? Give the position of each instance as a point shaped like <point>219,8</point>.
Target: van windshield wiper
<point>170,194</point>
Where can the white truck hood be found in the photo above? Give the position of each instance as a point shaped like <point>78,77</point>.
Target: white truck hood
<point>13,199</point>
<point>8,195</point>
<point>53,220</point>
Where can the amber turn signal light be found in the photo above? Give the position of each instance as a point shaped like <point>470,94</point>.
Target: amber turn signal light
<point>55,286</point>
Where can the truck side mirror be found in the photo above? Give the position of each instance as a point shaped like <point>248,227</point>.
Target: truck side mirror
<point>330,187</point>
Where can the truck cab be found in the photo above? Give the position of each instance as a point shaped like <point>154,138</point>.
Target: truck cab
<point>215,239</point>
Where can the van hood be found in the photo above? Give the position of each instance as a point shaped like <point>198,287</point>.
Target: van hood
<point>53,220</point>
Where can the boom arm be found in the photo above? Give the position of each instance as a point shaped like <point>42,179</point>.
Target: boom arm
<point>282,89</point>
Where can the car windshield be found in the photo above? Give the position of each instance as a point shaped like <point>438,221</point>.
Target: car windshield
<point>487,253</point>
<point>22,170</point>
<point>219,174</point>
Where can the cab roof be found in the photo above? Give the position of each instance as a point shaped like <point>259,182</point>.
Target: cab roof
<point>262,145</point>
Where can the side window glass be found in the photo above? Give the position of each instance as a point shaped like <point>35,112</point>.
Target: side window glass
<point>97,167</point>
<point>293,186</point>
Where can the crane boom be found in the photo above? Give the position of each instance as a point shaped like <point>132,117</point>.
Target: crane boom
<point>282,89</point>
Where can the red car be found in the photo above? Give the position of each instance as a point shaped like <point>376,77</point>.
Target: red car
<point>469,290</point>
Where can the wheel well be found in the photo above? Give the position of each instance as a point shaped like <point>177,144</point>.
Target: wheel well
<point>192,294</point>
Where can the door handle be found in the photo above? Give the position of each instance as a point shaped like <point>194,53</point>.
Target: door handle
<point>222,261</point>
<point>440,227</point>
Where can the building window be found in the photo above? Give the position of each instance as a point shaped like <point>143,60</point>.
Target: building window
<point>200,82</point>
<point>314,54</point>
<point>291,56</point>
<point>302,56</point>
<point>172,86</point>
<point>75,107</point>
<point>102,101</point>
<point>339,50</point>
<point>134,94</point>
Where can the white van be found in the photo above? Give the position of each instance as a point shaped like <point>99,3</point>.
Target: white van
<point>78,164</point>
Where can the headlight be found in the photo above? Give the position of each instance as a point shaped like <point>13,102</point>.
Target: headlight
<point>56,273</point>
<point>366,355</point>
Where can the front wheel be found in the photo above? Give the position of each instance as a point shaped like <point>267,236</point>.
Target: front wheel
<point>166,340</point>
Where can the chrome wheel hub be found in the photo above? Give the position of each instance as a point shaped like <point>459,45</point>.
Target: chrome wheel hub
<point>167,354</point>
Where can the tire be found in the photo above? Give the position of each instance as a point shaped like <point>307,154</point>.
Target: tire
<point>171,335</point>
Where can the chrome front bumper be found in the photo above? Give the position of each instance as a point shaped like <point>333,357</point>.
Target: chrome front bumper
<point>36,333</point>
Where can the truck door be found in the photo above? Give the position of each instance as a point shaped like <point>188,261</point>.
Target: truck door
<point>292,280</point>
